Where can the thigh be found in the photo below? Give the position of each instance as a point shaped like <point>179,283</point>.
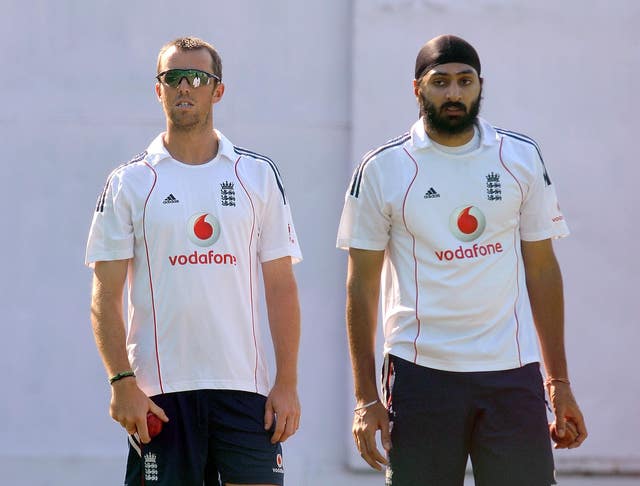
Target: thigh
<point>430,426</point>
<point>175,456</point>
<point>510,442</point>
<point>239,445</point>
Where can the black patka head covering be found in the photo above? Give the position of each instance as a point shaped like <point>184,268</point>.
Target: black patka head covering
<point>444,49</point>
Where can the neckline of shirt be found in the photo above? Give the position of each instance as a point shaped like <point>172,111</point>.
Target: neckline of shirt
<point>157,152</point>
<point>471,146</point>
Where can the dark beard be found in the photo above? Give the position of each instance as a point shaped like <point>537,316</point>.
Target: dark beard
<point>444,124</point>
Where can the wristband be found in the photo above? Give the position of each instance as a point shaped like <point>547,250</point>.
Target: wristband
<point>549,381</point>
<point>120,376</point>
<point>365,406</point>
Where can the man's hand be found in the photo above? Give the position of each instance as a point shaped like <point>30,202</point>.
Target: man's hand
<point>283,408</point>
<point>129,407</point>
<point>366,421</point>
<point>566,409</point>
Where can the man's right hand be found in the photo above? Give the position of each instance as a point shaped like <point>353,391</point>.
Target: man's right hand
<point>129,407</point>
<point>366,422</point>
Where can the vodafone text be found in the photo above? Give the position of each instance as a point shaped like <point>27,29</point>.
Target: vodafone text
<point>208,258</point>
<point>474,251</point>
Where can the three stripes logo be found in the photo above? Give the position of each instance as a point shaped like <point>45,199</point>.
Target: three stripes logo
<point>431,193</point>
<point>170,199</point>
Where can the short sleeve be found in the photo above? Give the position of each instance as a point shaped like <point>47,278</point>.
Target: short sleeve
<point>111,233</point>
<point>277,236</point>
<point>365,222</point>
<point>540,216</point>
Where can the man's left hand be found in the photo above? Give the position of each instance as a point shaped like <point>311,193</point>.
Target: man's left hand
<point>283,408</point>
<point>565,408</point>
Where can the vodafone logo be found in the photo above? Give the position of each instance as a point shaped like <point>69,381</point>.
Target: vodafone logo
<point>203,229</point>
<point>467,223</point>
<point>279,463</point>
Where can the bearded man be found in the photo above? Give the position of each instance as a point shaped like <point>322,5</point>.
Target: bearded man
<point>454,220</point>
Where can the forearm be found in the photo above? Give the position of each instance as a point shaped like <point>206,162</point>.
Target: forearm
<point>363,291</point>
<point>546,295</point>
<point>107,316</point>
<point>361,328</point>
<point>284,321</point>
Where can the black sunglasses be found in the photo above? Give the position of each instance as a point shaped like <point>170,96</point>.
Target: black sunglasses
<point>195,77</point>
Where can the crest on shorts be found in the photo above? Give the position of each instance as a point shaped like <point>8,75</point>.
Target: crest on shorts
<point>150,467</point>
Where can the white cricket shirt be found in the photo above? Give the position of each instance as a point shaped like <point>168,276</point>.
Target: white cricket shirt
<point>453,282</point>
<point>195,235</point>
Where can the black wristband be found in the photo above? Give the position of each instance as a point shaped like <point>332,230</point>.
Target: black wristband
<point>120,376</point>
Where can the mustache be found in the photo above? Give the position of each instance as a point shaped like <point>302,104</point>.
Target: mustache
<point>453,104</point>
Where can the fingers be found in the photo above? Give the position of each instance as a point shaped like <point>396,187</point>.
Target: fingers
<point>269,415</point>
<point>581,431</point>
<point>365,425</point>
<point>284,412</point>
<point>157,411</point>
<point>279,430</point>
<point>385,437</point>
<point>561,425</point>
<point>370,453</point>
<point>286,426</point>
<point>143,431</point>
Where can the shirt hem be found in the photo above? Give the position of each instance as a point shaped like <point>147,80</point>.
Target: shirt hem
<point>296,257</point>
<point>545,235</point>
<point>90,260</point>
<point>471,366</point>
<point>345,244</point>
<point>205,385</point>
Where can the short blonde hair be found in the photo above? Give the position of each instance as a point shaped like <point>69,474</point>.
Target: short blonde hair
<point>192,44</point>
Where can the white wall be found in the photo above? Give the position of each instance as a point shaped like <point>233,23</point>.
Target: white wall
<point>313,85</point>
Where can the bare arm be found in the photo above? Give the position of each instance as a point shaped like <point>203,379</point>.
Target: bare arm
<point>281,294</point>
<point>363,293</point>
<point>129,405</point>
<point>544,284</point>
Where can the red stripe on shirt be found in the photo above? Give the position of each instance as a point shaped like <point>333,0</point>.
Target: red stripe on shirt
<point>146,249</point>
<point>515,249</point>
<point>253,321</point>
<point>415,259</point>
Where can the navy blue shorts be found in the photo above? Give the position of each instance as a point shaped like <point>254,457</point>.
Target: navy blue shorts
<point>441,418</point>
<point>213,437</point>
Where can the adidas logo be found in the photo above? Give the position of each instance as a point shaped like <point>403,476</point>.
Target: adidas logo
<point>431,193</point>
<point>170,199</point>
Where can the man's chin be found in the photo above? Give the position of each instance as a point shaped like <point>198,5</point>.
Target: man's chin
<point>185,124</point>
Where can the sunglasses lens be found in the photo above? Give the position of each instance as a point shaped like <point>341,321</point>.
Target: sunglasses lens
<point>173,77</point>
<point>194,78</point>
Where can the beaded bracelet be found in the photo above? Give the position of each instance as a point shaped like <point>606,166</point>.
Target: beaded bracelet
<point>120,376</point>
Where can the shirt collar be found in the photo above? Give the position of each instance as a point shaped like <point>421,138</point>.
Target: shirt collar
<point>157,151</point>
<point>420,139</point>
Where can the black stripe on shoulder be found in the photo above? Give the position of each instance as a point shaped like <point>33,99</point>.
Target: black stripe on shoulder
<point>357,176</point>
<point>530,141</point>
<point>103,196</point>
<point>264,158</point>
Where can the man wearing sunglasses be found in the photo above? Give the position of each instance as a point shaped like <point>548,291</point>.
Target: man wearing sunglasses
<point>188,222</point>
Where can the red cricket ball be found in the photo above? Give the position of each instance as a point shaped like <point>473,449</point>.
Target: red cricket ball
<point>154,424</point>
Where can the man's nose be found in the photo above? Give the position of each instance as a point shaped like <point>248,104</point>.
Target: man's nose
<point>184,85</point>
<point>454,93</point>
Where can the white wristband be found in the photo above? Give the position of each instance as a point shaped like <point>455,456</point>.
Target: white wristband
<point>366,405</point>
